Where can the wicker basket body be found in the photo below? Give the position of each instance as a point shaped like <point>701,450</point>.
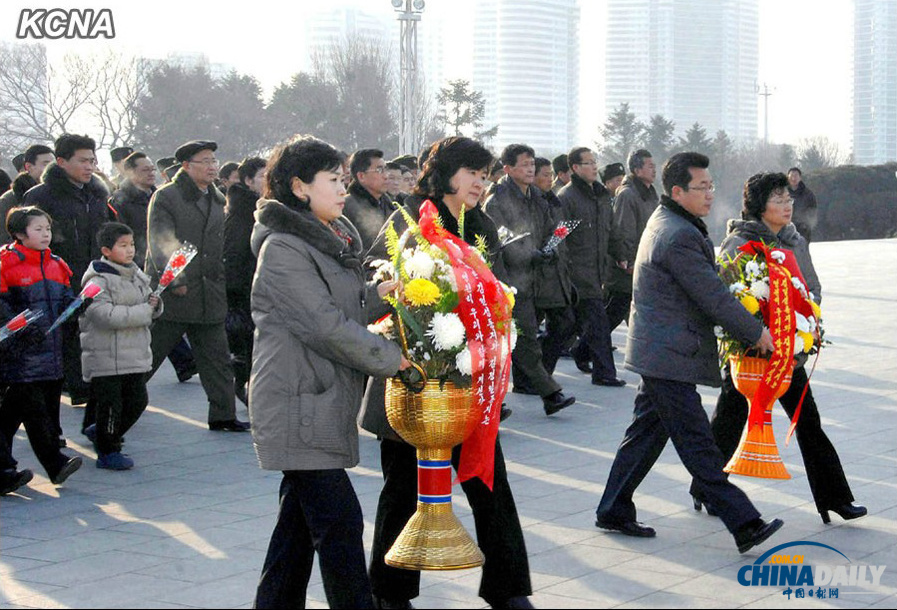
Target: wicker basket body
<point>757,454</point>
<point>434,421</point>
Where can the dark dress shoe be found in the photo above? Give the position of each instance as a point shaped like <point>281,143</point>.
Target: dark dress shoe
<point>557,401</point>
<point>585,367</point>
<point>611,383</point>
<point>628,528</point>
<point>505,413</point>
<point>845,511</point>
<point>756,532</point>
<point>521,601</point>
<point>392,604</point>
<point>231,425</point>
<point>12,480</point>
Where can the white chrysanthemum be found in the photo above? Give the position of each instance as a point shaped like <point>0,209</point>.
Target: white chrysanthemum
<point>737,288</point>
<point>420,265</point>
<point>778,255</point>
<point>446,330</point>
<point>464,362</point>
<point>718,331</point>
<point>760,290</point>
<point>752,269</point>
<point>802,323</point>
<point>798,344</point>
<point>447,275</point>
<point>513,335</point>
<point>383,270</point>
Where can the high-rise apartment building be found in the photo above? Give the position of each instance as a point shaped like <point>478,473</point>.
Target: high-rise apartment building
<point>526,64</point>
<point>688,60</point>
<point>875,81</point>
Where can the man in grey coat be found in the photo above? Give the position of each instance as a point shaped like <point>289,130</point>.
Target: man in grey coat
<point>677,299</point>
<point>191,209</point>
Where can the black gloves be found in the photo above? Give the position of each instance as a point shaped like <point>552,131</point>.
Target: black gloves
<point>544,258</point>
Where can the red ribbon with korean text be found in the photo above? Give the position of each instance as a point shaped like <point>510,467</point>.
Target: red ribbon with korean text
<point>779,317</point>
<point>485,311</point>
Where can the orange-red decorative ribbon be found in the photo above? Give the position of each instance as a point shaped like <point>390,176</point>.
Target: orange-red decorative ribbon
<point>780,320</point>
<point>485,312</point>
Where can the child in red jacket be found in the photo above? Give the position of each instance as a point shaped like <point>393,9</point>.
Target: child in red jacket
<point>32,277</point>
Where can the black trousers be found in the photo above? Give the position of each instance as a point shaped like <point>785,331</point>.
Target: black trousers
<point>319,511</point>
<point>78,389</point>
<point>209,344</point>
<point>560,332</point>
<point>594,339</point>
<point>616,306</point>
<point>119,401</point>
<point>506,570</point>
<point>671,410</point>
<point>32,404</point>
<point>826,476</point>
<point>526,360</point>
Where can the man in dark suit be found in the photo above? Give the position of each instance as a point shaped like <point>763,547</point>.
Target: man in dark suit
<point>677,299</point>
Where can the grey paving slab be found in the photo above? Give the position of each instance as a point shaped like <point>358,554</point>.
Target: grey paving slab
<point>189,526</point>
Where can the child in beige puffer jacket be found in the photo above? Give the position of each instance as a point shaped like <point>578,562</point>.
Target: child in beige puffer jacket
<point>115,343</point>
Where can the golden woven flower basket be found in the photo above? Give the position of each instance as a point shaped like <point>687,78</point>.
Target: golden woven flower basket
<point>434,421</point>
<point>757,454</point>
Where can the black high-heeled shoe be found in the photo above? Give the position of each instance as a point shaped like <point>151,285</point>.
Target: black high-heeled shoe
<point>845,511</point>
<point>697,502</point>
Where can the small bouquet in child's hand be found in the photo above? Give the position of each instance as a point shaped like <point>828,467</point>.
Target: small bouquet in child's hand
<point>178,261</point>
<point>88,293</point>
<point>19,323</point>
<point>560,233</point>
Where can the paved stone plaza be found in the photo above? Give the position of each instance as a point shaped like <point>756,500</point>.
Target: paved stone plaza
<point>189,526</point>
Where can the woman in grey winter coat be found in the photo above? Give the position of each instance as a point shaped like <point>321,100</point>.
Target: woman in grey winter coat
<point>310,306</point>
<point>766,216</point>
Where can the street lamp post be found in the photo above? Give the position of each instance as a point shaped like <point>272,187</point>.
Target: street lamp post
<point>409,14</point>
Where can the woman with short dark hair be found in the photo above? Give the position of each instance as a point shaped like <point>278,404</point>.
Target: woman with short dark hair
<point>766,214</point>
<point>312,350</point>
<point>453,177</point>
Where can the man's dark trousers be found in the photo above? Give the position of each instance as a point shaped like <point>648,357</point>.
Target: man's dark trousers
<point>209,344</point>
<point>526,360</point>
<point>664,410</point>
<point>594,340</point>
<point>560,332</point>
<point>616,306</point>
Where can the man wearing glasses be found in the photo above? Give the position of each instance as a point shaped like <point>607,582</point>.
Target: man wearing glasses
<point>368,205</point>
<point>75,197</point>
<point>190,209</point>
<point>677,299</point>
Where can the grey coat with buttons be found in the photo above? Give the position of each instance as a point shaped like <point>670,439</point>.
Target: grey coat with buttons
<point>310,306</point>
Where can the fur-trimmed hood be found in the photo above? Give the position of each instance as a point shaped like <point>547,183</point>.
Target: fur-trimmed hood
<point>58,181</point>
<point>272,216</point>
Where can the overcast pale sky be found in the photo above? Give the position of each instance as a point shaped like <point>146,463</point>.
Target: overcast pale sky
<point>805,48</point>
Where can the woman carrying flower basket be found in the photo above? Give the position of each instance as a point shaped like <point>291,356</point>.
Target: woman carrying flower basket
<point>452,178</point>
<point>766,217</point>
<point>310,306</point>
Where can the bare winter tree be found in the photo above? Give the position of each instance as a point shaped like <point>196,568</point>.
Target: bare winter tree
<point>819,152</point>
<point>120,83</point>
<point>361,69</point>
<point>40,100</point>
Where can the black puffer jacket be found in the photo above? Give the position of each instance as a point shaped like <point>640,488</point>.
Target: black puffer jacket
<point>78,213</point>
<point>239,261</point>
<point>132,205</point>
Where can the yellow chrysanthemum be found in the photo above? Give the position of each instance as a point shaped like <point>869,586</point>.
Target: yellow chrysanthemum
<point>816,310</point>
<point>511,299</point>
<point>750,303</point>
<point>808,340</point>
<point>421,292</point>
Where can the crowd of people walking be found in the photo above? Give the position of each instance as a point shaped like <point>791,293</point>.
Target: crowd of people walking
<point>273,311</point>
